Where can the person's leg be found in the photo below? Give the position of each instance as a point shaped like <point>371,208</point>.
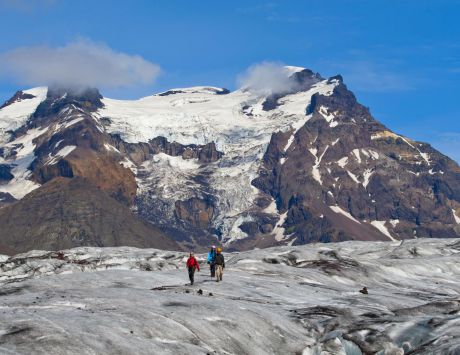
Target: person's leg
<point>218,272</point>
<point>213,270</point>
<point>191,275</point>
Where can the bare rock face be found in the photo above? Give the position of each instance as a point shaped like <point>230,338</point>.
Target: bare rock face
<point>5,173</point>
<point>344,159</point>
<point>139,152</point>
<point>197,212</point>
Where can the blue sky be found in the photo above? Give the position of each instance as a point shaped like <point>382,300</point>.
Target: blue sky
<point>401,58</point>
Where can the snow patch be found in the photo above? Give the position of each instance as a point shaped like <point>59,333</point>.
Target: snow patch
<point>110,148</point>
<point>62,153</point>
<point>374,154</point>
<point>315,169</point>
<point>342,162</point>
<point>456,217</point>
<point>271,208</point>
<point>337,209</point>
<point>324,111</point>
<point>367,176</point>
<point>353,176</point>
<point>289,142</point>
<point>58,143</point>
<point>357,155</point>
<point>380,225</point>
<point>279,230</point>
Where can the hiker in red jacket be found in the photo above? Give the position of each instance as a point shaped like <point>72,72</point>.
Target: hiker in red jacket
<point>192,264</point>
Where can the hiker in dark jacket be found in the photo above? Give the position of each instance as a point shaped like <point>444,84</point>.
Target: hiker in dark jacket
<point>211,258</point>
<point>192,265</point>
<point>220,264</point>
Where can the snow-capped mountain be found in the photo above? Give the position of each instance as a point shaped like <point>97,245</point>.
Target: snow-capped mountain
<point>201,164</point>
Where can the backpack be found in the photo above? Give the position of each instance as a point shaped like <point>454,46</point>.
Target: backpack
<point>219,260</point>
<point>211,256</point>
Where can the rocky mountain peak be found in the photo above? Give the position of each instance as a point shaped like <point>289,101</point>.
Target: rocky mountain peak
<point>299,79</point>
<point>88,99</point>
<point>305,78</point>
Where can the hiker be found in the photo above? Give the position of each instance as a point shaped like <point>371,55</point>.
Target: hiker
<point>219,261</point>
<point>192,264</point>
<point>211,257</point>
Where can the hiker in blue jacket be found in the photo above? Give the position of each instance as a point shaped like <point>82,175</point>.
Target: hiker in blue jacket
<point>211,258</point>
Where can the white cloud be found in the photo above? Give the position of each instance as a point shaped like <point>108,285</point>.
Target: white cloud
<point>78,64</point>
<point>266,78</point>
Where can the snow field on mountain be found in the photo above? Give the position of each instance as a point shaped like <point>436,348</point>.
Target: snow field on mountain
<point>280,300</point>
<point>12,117</point>
<point>15,115</point>
<point>200,116</point>
<point>20,185</point>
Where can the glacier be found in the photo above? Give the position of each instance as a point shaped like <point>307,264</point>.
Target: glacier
<point>285,300</point>
<point>235,121</point>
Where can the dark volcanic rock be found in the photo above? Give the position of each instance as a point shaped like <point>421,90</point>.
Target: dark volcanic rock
<point>5,173</point>
<point>204,153</point>
<point>197,212</point>
<point>344,158</point>
<point>140,152</point>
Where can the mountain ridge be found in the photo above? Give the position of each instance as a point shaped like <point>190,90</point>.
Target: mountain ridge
<point>243,168</point>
